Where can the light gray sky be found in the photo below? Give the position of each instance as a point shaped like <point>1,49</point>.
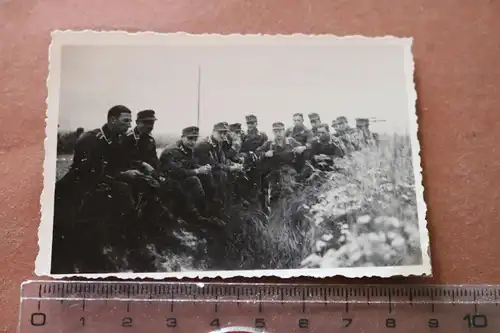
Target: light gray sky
<point>272,82</point>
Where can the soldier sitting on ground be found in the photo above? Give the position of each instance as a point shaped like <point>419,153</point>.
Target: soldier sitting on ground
<point>281,156</point>
<point>235,138</point>
<point>141,152</point>
<point>178,163</point>
<point>96,181</point>
<point>252,140</point>
<point>366,137</point>
<point>325,148</point>
<point>315,121</point>
<point>140,143</point>
<point>346,134</point>
<point>210,151</point>
<point>299,131</point>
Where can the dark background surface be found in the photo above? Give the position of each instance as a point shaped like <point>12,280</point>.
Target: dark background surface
<point>457,55</point>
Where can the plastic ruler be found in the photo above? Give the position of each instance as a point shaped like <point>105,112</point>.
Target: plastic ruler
<point>107,307</point>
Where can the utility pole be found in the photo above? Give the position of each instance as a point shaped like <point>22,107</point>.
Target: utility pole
<point>199,94</point>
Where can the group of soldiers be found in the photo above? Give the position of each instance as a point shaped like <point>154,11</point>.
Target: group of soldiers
<point>201,177</point>
<point>202,169</point>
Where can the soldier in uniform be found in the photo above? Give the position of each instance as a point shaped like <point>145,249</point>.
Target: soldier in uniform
<point>299,131</point>
<point>235,137</point>
<point>315,120</point>
<point>178,163</point>
<point>366,137</point>
<point>281,157</point>
<point>140,143</point>
<point>210,151</point>
<point>252,140</point>
<point>97,179</point>
<point>346,134</point>
<point>326,148</point>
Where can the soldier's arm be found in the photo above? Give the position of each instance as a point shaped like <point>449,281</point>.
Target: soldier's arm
<point>264,148</point>
<point>340,148</point>
<point>171,165</point>
<point>309,139</point>
<point>153,159</point>
<point>202,153</point>
<point>265,138</point>
<point>294,143</point>
<point>86,162</point>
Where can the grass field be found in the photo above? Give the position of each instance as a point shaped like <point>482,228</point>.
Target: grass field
<point>363,215</point>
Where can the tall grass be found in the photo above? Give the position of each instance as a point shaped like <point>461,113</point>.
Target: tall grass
<point>363,214</point>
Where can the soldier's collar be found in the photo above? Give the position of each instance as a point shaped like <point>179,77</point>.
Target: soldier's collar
<point>107,134</point>
<point>183,148</point>
<point>136,134</point>
<point>212,142</point>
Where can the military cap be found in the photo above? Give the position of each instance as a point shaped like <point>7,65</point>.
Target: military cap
<point>313,116</point>
<point>146,115</point>
<point>325,126</point>
<point>235,127</point>
<point>298,114</point>
<point>278,126</point>
<point>221,127</point>
<point>362,121</point>
<point>251,118</point>
<point>342,118</point>
<point>191,131</point>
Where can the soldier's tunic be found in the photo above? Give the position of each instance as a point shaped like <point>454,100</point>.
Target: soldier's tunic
<point>302,135</point>
<point>208,151</point>
<point>350,139</point>
<point>331,148</point>
<point>98,160</point>
<point>283,161</point>
<point>253,140</point>
<point>98,156</point>
<point>314,130</point>
<point>141,148</point>
<point>232,148</point>
<point>178,163</point>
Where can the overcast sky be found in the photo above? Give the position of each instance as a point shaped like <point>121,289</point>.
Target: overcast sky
<point>270,82</point>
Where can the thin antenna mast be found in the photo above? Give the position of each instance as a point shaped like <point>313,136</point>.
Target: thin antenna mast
<point>199,93</point>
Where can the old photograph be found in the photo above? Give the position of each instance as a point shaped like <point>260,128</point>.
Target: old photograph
<point>178,155</point>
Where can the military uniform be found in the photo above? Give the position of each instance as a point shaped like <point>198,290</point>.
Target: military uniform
<point>91,186</point>
<point>302,135</point>
<point>98,156</point>
<point>233,147</point>
<point>252,139</point>
<point>283,162</point>
<point>366,138</point>
<point>178,163</point>
<point>331,149</point>
<point>141,147</point>
<point>314,117</point>
<point>210,152</point>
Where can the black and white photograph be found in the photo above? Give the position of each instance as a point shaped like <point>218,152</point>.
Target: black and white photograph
<point>179,155</point>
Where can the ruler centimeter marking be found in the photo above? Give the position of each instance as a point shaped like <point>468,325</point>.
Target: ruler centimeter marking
<point>47,306</point>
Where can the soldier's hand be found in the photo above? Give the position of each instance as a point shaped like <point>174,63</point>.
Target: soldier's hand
<point>205,169</point>
<point>131,174</point>
<point>269,153</point>
<point>299,150</point>
<point>148,168</point>
<point>236,167</point>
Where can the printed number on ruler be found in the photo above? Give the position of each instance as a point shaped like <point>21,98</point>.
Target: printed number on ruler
<point>189,307</point>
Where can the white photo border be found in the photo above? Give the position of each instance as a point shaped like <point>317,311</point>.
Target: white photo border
<point>92,37</point>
